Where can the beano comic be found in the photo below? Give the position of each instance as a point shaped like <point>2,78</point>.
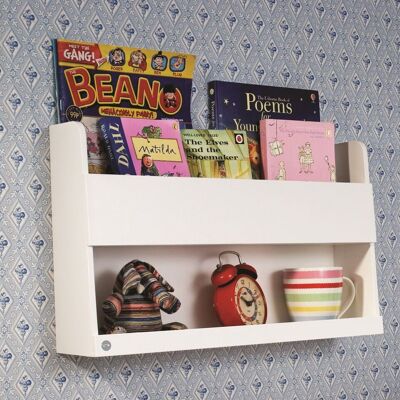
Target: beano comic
<point>99,80</point>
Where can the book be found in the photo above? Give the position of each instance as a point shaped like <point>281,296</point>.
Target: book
<point>217,153</point>
<point>241,106</point>
<point>99,80</point>
<point>98,161</point>
<point>144,146</point>
<point>298,150</point>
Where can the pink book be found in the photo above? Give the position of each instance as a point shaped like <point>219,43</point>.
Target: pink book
<point>298,150</point>
<point>145,146</point>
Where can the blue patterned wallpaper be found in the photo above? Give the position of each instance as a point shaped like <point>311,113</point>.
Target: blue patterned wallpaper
<point>348,50</point>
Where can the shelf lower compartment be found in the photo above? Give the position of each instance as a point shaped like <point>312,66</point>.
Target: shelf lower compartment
<point>188,269</point>
<point>206,338</point>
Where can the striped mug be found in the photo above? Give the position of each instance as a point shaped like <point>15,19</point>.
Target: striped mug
<point>316,293</point>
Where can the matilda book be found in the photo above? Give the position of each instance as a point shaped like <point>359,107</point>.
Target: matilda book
<point>98,80</point>
<point>144,146</point>
<point>241,106</point>
<point>298,150</point>
<point>217,153</point>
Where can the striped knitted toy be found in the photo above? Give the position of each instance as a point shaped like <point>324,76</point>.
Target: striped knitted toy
<point>138,295</point>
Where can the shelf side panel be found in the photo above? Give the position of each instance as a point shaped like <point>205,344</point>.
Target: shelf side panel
<point>75,305</point>
<point>360,266</point>
<point>358,162</point>
<point>351,162</point>
<point>129,210</point>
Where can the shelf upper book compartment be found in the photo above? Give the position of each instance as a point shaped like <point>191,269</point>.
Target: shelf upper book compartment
<point>140,210</point>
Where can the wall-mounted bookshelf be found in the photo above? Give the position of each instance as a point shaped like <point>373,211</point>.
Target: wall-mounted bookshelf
<point>179,225</point>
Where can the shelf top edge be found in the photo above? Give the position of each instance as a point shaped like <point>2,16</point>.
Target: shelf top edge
<point>206,181</point>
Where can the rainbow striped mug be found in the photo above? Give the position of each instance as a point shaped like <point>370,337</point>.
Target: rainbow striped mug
<point>316,293</point>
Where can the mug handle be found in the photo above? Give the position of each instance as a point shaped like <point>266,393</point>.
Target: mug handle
<point>351,298</point>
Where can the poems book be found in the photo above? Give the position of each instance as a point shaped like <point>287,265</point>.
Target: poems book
<point>241,106</point>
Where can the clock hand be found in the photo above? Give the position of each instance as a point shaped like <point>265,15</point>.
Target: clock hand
<point>248,302</point>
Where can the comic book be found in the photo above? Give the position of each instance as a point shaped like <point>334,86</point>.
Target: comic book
<point>217,153</point>
<point>241,106</point>
<point>144,146</point>
<point>98,80</point>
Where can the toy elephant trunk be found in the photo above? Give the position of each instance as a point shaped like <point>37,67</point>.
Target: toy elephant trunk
<point>138,295</point>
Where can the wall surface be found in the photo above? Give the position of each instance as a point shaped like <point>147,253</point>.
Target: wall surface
<point>348,50</point>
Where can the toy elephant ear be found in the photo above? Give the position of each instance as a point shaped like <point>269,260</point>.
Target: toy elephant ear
<point>155,274</point>
<point>128,279</point>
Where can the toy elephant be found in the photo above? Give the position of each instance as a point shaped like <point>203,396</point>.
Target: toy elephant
<point>138,295</point>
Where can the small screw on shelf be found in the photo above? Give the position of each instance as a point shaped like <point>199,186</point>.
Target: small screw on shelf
<point>106,345</point>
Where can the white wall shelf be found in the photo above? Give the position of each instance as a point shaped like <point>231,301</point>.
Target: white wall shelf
<point>179,225</point>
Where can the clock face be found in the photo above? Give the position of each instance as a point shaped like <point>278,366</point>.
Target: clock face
<point>249,301</point>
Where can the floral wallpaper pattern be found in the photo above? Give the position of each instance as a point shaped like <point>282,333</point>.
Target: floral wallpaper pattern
<point>348,50</point>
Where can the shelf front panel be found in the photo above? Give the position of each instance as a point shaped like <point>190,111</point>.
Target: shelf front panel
<point>136,210</point>
<point>206,338</point>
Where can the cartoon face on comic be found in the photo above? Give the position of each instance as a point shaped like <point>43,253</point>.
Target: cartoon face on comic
<point>170,99</point>
<point>117,57</point>
<point>177,64</point>
<point>137,59</point>
<point>159,62</point>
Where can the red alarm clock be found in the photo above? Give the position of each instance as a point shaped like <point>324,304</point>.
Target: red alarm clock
<point>238,298</point>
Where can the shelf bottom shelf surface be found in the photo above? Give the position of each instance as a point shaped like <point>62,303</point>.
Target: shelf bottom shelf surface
<point>207,338</point>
